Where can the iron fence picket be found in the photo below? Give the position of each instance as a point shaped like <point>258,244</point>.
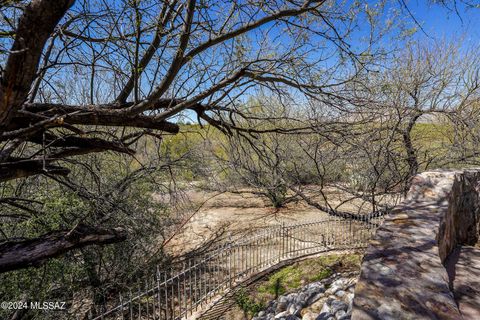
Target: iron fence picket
<point>181,291</point>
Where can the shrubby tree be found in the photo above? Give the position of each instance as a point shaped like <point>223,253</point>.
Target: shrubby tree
<point>417,101</point>
<point>85,84</point>
<point>414,112</point>
<point>74,71</point>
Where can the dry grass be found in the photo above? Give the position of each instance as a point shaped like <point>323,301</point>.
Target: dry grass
<point>238,213</point>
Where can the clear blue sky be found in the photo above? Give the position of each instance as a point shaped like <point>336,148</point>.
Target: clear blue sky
<point>439,22</point>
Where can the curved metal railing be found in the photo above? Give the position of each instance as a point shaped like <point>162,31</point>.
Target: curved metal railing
<point>178,292</point>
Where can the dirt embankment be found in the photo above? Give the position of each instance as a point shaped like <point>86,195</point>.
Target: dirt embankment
<point>236,213</point>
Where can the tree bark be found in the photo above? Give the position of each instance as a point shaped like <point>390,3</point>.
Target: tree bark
<point>412,160</point>
<point>34,28</point>
<point>19,254</point>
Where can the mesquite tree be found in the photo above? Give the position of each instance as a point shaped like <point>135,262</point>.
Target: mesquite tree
<point>75,74</point>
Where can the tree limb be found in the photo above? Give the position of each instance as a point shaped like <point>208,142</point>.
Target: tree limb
<point>36,25</point>
<point>18,254</point>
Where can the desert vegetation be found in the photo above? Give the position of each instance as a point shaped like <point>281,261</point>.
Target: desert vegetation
<point>252,300</point>
<point>134,132</point>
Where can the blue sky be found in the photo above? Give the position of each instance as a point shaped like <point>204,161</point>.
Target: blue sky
<point>439,22</point>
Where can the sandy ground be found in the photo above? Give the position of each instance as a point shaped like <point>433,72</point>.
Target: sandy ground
<point>237,213</point>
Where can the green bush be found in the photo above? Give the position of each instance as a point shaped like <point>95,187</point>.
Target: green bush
<point>248,304</point>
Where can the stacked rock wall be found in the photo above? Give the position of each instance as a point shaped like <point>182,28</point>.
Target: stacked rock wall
<point>403,274</point>
<point>460,224</point>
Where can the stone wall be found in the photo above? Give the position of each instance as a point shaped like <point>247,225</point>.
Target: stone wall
<point>460,224</point>
<point>403,274</point>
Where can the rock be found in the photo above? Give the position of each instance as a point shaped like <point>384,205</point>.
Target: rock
<point>292,296</point>
<point>301,299</point>
<point>283,314</point>
<point>314,298</point>
<point>345,317</point>
<point>273,307</point>
<point>282,299</point>
<point>339,283</point>
<point>339,314</point>
<point>330,300</point>
<point>326,308</point>
<point>294,309</point>
<point>313,302</point>
<point>332,289</point>
<point>349,310</point>
<point>282,304</point>
<point>309,316</point>
<point>317,305</point>
<point>349,298</point>
<point>324,316</point>
<point>338,305</point>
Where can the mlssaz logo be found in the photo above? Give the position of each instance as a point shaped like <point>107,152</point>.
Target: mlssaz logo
<point>47,305</point>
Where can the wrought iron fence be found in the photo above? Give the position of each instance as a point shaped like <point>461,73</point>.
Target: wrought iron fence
<point>181,290</point>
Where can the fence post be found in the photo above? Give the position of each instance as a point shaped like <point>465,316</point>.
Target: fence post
<point>159,298</point>
<point>230,255</point>
<point>121,307</point>
<point>282,254</point>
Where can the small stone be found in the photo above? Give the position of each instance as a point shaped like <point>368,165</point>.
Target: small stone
<point>350,310</point>
<point>281,306</point>
<point>309,316</point>
<point>294,309</point>
<point>332,289</point>
<point>314,298</point>
<point>301,298</point>
<point>282,315</point>
<point>339,283</point>
<point>324,316</point>
<point>326,308</point>
<point>339,314</point>
<point>317,305</point>
<point>292,296</point>
<point>338,305</point>
<point>340,293</point>
<point>261,314</point>
<point>282,299</point>
<point>349,298</point>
